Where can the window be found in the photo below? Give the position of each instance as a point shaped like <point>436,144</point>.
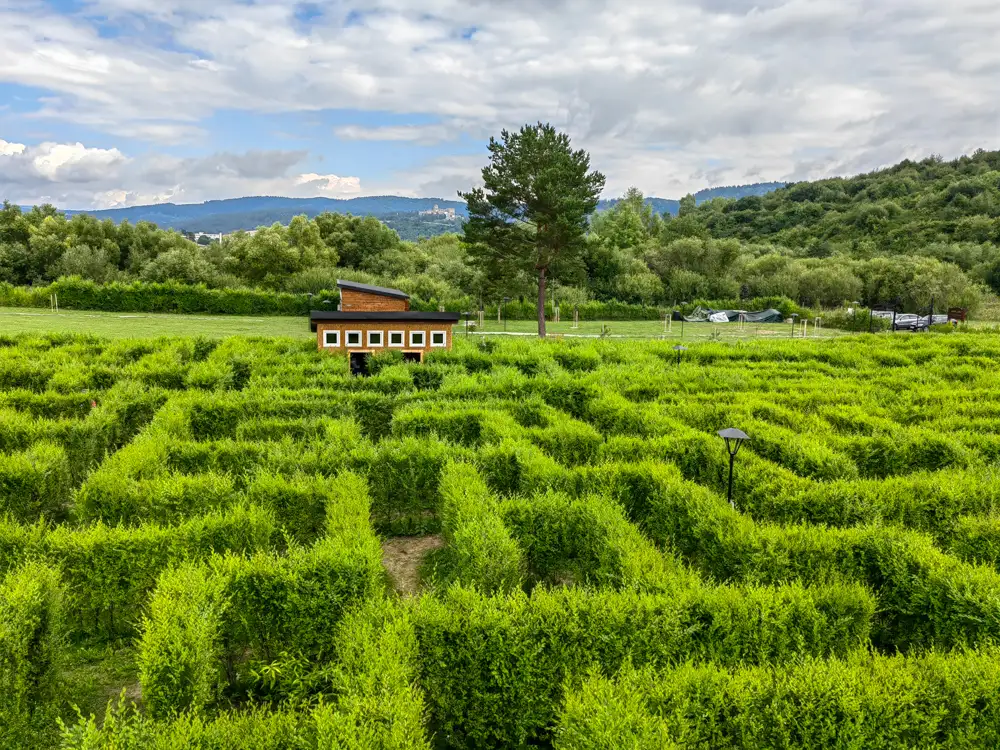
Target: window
<point>353,338</point>
<point>396,338</point>
<point>331,338</point>
<point>375,338</point>
<point>439,338</point>
<point>417,338</point>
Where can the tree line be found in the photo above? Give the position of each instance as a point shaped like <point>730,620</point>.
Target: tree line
<point>916,232</point>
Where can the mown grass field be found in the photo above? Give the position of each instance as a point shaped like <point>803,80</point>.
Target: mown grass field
<point>14,320</point>
<point>518,543</point>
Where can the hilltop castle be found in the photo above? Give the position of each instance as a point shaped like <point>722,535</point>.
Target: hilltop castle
<point>448,213</point>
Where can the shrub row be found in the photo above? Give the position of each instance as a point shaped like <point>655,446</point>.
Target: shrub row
<point>204,616</point>
<point>926,598</point>
<point>494,668</point>
<point>35,483</point>
<point>480,550</point>
<point>588,311</point>
<point>172,297</point>
<point>946,701</point>
<point>587,541</point>
<point>31,611</point>
<point>373,704</point>
<point>110,570</point>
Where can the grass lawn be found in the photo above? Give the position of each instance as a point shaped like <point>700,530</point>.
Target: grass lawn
<point>142,325</point>
<point>654,328</point>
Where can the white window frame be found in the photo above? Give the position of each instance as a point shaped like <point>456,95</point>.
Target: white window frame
<point>402,339</point>
<point>423,342</point>
<point>336,333</point>
<point>381,339</point>
<point>347,340</point>
<point>444,338</point>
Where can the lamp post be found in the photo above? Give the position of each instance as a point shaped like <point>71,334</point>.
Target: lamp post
<point>679,348</point>
<point>794,316</point>
<point>505,301</point>
<point>734,439</point>
<point>681,312</point>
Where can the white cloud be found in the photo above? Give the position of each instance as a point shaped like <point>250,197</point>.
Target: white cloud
<point>423,134</point>
<point>327,184</point>
<point>664,95</point>
<point>73,162</point>
<point>10,149</point>
<point>71,175</point>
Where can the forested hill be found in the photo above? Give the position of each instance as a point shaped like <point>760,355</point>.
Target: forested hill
<point>249,213</point>
<point>667,206</point>
<point>402,214</point>
<point>899,209</point>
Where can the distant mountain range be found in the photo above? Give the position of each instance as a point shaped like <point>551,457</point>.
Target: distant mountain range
<point>403,214</point>
<point>668,206</point>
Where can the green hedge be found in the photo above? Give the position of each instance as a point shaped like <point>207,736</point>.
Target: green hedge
<point>31,641</point>
<point>372,703</point>
<point>589,542</point>
<point>173,297</point>
<point>404,479</point>
<point>36,483</point>
<point>479,549</point>
<point>528,310</point>
<point>203,619</point>
<point>113,498</point>
<point>494,668</point>
<point>926,598</point>
<point>110,570</point>
<point>517,466</point>
<point>933,701</point>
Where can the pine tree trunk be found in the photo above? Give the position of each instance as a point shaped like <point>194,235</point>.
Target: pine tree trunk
<point>541,302</point>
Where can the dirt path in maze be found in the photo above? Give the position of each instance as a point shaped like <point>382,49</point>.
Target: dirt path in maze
<point>402,556</point>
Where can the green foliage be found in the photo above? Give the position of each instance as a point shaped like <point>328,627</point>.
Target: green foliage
<point>31,647</point>
<point>531,215</point>
<point>180,650</point>
<point>404,477</point>
<point>932,701</point>
<point>480,550</point>
<point>35,483</point>
<point>494,668</point>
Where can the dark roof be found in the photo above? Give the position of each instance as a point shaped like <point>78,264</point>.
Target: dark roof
<point>410,316</point>
<point>384,291</point>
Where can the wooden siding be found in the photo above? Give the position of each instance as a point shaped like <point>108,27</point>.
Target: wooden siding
<point>355,301</point>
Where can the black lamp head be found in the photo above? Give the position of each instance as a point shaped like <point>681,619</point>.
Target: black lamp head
<point>734,439</point>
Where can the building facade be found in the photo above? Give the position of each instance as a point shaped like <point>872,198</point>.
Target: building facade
<point>371,319</point>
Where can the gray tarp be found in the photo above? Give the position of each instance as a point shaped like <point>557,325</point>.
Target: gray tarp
<point>704,315</point>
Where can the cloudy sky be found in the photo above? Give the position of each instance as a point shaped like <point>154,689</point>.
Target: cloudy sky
<point>121,102</point>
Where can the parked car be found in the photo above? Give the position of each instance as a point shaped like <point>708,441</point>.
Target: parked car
<point>909,322</point>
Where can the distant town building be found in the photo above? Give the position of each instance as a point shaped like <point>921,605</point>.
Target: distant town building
<point>448,213</point>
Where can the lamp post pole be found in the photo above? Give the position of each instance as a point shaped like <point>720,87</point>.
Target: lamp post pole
<point>794,316</point>
<point>505,301</point>
<point>734,439</point>
<point>729,493</point>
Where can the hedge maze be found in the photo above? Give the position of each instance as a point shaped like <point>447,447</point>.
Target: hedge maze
<point>214,517</point>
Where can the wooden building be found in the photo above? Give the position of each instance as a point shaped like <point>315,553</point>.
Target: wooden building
<point>371,319</point>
